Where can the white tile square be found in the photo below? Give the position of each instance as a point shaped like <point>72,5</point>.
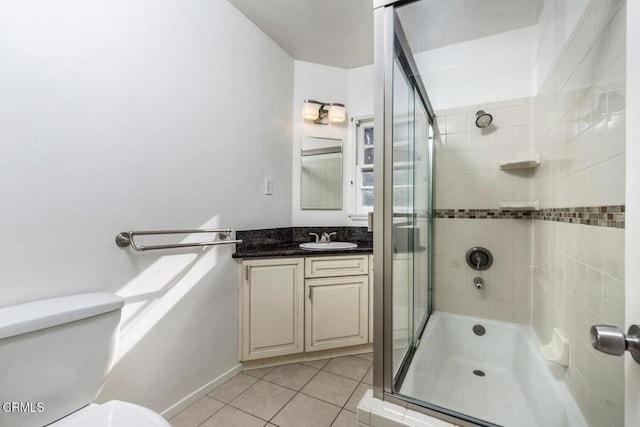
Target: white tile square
<point>522,250</point>
<point>613,300</point>
<point>479,140</point>
<point>457,161</point>
<point>500,289</point>
<point>456,227</point>
<point>457,142</point>
<point>502,227</point>
<point>455,304</point>
<point>501,248</point>
<point>479,228</point>
<point>501,310</point>
<point>523,140</point>
<point>595,248</point>
<point>478,159</point>
<point>522,271</point>
<point>616,180</point>
<point>457,123</point>
<point>503,138</point>
<point>614,252</point>
<point>500,178</point>
<point>525,114</point>
<point>601,56</point>
<point>503,117</point>
<point>522,292</point>
<point>478,307</point>
<point>597,185</point>
<point>522,313</point>
<point>617,35</point>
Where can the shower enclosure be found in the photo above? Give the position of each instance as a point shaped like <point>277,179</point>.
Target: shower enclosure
<point>464,368</point>
<point>404,197</point>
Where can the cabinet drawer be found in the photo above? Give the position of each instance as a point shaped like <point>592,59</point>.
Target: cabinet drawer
<point>353,265</point>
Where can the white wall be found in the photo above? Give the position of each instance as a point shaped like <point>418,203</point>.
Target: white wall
<point>328,84</point>
<point>353,87</point>
<point>361,91</point>
<point>140,115</point>
<point>557,21</point>
<point>489,69</point>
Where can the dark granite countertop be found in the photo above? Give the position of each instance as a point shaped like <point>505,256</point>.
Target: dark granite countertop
<point>284,242</point>
<point>293,249</point>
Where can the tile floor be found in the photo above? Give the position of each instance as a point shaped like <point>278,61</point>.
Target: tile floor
<point>309,394</point>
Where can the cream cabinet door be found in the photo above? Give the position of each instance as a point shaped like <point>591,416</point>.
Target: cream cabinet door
<point>336,312</point>
<point>272,308</point>
<point>370,298</point>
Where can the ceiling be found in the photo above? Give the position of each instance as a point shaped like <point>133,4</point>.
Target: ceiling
<point>430,24</point>
<point>340,32</point>
<point>330,32</point>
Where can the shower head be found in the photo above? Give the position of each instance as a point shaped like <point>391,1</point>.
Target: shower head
<point>483,119</point>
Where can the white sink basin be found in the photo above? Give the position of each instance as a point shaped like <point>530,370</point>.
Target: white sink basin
<point>329,246</point>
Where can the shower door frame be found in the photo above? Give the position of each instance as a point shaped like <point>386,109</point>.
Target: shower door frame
<point>390,42</point>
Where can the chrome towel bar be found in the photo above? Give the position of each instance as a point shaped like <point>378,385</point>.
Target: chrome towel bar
<point>125,239</point>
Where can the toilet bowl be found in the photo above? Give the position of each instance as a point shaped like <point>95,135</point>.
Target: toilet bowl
<point>112,414</point>
<point>55,356</point>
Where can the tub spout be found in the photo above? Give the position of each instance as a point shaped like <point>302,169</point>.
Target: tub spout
<point>478,282</point>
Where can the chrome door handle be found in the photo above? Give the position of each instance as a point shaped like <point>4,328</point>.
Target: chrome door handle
<point>611,340</point>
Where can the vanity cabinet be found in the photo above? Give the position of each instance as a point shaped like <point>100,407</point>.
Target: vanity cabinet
<point>272,307</point>
<point>337,302</point>
<point>370,298</point>
<point>306,304</point>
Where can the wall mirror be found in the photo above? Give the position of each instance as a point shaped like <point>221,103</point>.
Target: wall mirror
<point>321,173</point>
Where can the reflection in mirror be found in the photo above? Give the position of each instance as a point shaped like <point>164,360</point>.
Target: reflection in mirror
<point>321,174</point>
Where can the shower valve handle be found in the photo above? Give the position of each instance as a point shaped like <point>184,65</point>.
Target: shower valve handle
<point>611,340</point>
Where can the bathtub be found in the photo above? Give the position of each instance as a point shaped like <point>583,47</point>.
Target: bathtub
<point>498,377</point>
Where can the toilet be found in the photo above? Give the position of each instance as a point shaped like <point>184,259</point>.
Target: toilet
<point>55,356</point>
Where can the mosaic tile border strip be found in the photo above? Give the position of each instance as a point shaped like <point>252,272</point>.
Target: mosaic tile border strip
<point>599,216</point>
<point>483,214</point>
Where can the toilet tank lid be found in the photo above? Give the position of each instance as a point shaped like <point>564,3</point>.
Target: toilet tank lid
<point>36,315</point>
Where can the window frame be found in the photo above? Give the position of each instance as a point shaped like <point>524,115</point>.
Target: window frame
<point>360,167</point>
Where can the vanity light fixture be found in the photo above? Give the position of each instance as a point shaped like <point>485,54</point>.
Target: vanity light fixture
<point>323,113</point>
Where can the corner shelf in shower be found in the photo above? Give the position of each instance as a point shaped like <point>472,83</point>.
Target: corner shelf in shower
<point>526,205</point>
<point>523,163</point>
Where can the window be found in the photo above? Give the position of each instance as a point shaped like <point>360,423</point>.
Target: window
<point>364,165</point>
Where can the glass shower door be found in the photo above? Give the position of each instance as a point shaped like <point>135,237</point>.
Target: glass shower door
<point>403,230</point>
<point>411,199</point>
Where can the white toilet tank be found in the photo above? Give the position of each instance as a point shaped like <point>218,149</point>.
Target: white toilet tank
<point>55,356</point>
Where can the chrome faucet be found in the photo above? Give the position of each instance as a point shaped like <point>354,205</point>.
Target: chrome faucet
<point>326,237</point>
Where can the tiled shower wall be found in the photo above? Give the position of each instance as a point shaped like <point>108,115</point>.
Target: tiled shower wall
<point>578,270</point>
<point>468,177</point>
<point>552,274</point>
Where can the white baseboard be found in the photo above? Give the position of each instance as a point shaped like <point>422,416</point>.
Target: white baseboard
<point>188,400</point>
